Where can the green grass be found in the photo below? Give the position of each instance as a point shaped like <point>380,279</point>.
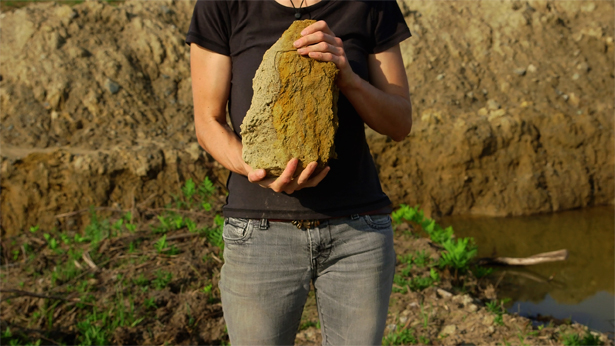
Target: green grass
<point>67,270</point>
<point>574,339</point>
<point>403,337</point>
<point>481,272</point>
<point>163,278</point>
<point>497,307</point>
<point>97,327</point>
<point>163,247</point>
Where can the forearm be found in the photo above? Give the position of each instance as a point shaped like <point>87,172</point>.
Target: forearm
<point>221,143</point>
<point>386,113</point>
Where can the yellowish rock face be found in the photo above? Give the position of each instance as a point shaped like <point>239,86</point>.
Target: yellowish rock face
<point>294,108</point>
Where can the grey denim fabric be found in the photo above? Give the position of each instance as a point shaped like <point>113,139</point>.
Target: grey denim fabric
<point>269,266</point>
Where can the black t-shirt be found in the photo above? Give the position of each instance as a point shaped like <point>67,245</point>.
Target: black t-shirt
<point>244,30</point>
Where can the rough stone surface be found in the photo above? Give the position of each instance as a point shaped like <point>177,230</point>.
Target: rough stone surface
<point>294,108</point>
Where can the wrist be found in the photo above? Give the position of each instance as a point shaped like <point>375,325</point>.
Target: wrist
<point>350,83</point>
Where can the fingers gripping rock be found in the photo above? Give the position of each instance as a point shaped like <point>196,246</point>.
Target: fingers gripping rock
<point>294,109</point>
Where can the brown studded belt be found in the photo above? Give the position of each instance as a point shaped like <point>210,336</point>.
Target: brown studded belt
<point>307,224</point>
<point>301,224</point>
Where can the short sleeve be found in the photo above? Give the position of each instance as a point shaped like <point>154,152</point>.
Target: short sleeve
<point>389,25</point>
<point>211,26</point>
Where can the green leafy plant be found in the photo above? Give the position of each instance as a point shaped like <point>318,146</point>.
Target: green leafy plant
<point>189,189</point>
<point>131,227</point>
<point>96,230</point>
<point>421,259</point>
<point>480,271</point>
<point>497,307</point>
<point>164,226</point>
<point>190,224</point>
<point>141,280</point>
<point>131,247</point>
<point>205,191</point>
<point>65,239</point>
<point>307,324</point>
<point>403,337</point>
<point>424,316</point>
<point>458,253</point>
<point>51,242</point>
<point>402,284</point>
<point>97,327</point>
<point>149,303</point>
<point>162,246</point>
<point>33,229</point>
<point>163,278</point>
<point>117,225</point>
<point>588,339</point>
<point>214,234</point>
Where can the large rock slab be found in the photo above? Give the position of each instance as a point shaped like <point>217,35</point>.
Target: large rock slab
<point>294,108</point>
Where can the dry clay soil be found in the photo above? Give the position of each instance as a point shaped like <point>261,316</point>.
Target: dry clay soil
<point>513,109</point>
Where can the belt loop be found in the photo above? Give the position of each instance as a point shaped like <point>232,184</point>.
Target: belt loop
<point>354,216</point>
<point>264,224</point>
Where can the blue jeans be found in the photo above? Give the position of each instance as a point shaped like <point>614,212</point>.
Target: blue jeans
<point>268,267</point>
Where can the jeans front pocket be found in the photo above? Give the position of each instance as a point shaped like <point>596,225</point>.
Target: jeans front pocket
<point>378,222</point>
<point>237,230</point>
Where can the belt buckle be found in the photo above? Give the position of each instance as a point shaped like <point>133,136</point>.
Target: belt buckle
<point>305,224</point>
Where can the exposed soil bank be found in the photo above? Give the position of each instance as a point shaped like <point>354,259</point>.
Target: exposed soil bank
<point>513,108</point>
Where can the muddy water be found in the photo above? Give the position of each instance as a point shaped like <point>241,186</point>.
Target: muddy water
<point>581,288</point>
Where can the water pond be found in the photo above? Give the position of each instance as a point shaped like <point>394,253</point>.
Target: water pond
<point>580,288</point>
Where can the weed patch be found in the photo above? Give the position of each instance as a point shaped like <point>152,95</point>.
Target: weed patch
<point>403,337</point>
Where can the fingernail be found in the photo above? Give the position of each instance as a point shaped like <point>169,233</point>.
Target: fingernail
<point>303,32</point>
<point>301,50</point>
<point>296,43</point>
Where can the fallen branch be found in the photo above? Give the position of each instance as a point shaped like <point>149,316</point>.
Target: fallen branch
<point>40,333</point>
<point>72,213</point>
<point>553,256</point>
<point>19,293</point>
<point>81,275</point>
<point>183,235</point>
<point>534,277</point>
<point>88,260</point>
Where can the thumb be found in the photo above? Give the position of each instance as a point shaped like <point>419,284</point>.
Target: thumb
<point>256,175</point>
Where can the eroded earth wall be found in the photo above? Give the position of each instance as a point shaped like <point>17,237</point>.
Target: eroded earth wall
<point>513,108</point>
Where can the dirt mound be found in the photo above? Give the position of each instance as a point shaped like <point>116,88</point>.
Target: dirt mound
<point>96,109</point>
<point>513,107</point>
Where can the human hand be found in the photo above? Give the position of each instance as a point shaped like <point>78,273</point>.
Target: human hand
<point>286,182</point>
<point>320,43</point>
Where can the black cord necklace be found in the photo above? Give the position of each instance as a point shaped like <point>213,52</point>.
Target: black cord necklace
<point>297,10</point>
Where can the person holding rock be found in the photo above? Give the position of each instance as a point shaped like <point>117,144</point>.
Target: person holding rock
<point>330,228</point>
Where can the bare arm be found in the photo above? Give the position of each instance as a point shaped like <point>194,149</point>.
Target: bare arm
<point>211,83</point>
<point>385,104</point>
